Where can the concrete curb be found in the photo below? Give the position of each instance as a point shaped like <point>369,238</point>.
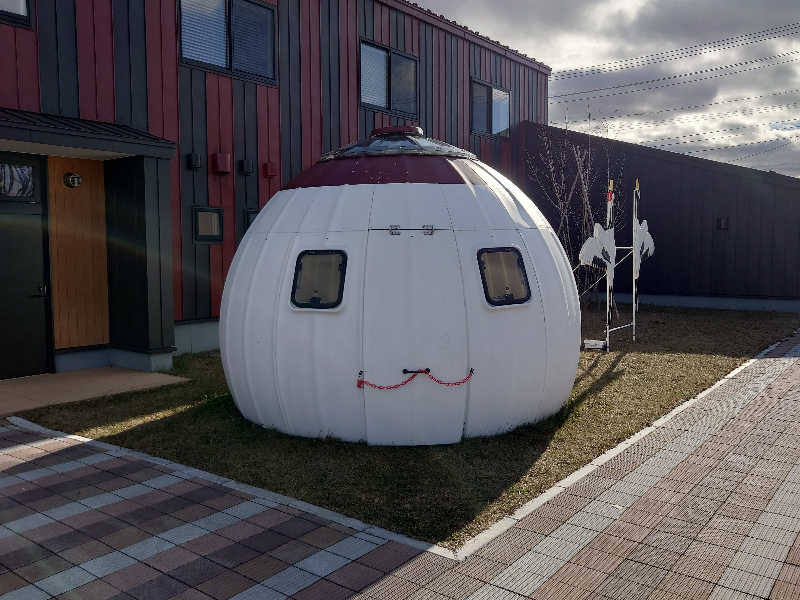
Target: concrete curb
<point>471,545</point>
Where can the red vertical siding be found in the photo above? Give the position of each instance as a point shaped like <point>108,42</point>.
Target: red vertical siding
<point>386,26</point>
<point>104,60</point>
<point>344,89</point>
<point>219,117</point>
<point>269,152</point>
<point>96,59</point>
<point>87,79</point>
<point>19,68</point>
<point>169,95</point>
<point>310,82</point>
<point>348,74</point>
<point>316,84</point>
<point>227,199</point>
<point>415,36</point>
<point>443,66</point>
<point>305,80</point>
<point>28,74</point>
<point>9,97</point>
<point>155,83</point>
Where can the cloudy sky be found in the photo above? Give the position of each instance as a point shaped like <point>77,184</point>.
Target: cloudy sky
<point>718,79</point>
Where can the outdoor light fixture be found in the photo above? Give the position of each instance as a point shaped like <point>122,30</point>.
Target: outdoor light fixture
<point>72,180</point>
<point>247,166</point>
<point>193,161</point>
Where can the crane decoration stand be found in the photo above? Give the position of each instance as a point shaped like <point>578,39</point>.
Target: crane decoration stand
<point>602,247</point>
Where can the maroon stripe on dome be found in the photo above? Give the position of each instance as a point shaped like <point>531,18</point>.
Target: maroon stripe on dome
<point>399,168</point>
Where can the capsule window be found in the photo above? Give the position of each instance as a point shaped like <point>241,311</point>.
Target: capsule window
<point>503,274</point>
<point>319,279</point>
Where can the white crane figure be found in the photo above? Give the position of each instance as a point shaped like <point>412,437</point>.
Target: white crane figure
<point>602,246</point>
<point>643,242</point>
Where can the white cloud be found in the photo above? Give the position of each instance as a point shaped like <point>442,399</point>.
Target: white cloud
<point>575,33</point>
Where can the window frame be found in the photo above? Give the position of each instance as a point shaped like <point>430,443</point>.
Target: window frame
<point>17,20</point>
<point>17,200</point>
<point>388,110</point>
<point>340,295</point>
<point>520,262</point>
<point>488,133</point>
<point>229,70</point>
<point>208,239</point>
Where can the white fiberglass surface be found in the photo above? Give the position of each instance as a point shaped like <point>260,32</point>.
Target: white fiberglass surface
<point>507,344</point>
<point>414,319</point>
<point>410,301</point>
<point>559,299</point>
<point>318,351</point>
<point>409,206</point>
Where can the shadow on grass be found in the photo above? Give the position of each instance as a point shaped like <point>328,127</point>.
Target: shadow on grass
<point>430,492</point>
<point>687,330</point>
<point>436,493</point>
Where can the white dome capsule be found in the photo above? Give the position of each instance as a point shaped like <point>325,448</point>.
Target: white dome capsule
<point>396,255</point>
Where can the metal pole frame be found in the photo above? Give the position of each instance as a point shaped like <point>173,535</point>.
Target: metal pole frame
<point>610,270</point>
<point>636,248</point>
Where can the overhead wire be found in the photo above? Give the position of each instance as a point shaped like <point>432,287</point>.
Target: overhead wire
<point>676,83</point>
<point>707,116</point>
<point>787,142</point>
<point>726,130</point>
<point>689,106</point>
<point>727,147</point>
<point>680,53</point>
<point>679,75</point>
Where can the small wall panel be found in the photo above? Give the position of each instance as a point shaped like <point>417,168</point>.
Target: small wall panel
<point>78,259</point>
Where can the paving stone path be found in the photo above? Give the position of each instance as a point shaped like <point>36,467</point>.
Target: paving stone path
<point>705,506</point>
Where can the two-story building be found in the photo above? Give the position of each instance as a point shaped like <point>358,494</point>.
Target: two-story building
<point>138,138</point>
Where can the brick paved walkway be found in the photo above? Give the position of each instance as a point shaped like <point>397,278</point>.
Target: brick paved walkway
<point>705,506</point>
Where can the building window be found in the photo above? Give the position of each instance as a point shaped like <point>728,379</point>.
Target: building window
<point>503,275</point>
<point>388,80</point>
<point>319,279</point>
<point>231,35</point>
<point>15,12</point>
<point>253,27</point>
<point>16,182</point>
<point>491,109</point>
<point>207,224</point>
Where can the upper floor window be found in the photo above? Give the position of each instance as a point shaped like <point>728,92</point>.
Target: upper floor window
<point>388,80</point>
<point>234,35</point>
<point>15,12</point>
<point>491,109</point>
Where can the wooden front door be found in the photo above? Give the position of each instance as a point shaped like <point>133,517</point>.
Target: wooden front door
<point>78,259</point>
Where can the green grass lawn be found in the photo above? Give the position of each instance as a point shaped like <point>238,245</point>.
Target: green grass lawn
<point>441,494</point>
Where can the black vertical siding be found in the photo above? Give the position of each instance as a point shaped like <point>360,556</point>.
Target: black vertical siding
<point>369,19</point>
<point>58,57</point>
<point>290,92</point>
<point>426,77</point>
<point>130,63</point>
<point>245,148</point>
<point>752,253</point>
<point>194,191</point>
<point>139,254</point>
<point>474,73</point>
<point>329,67</point>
